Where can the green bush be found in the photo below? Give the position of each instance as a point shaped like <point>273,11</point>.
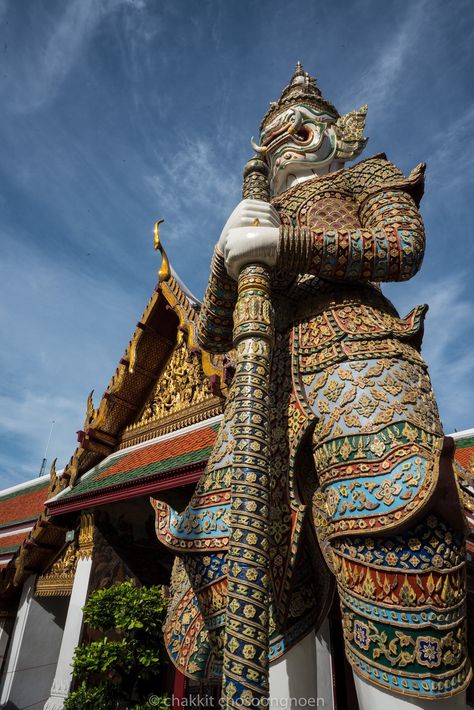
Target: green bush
<point>126,666</point>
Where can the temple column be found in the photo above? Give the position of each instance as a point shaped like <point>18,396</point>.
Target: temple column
<point>73,626</point>
<point>371,697</point>
<point>17,637</point>
<point>304,674</point>
<point>71,637</point>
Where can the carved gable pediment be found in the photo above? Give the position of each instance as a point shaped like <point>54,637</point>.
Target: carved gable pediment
<point>182,385</point>
<point>181,396</point>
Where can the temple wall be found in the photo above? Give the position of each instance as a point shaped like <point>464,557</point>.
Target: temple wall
<point>34,650</point>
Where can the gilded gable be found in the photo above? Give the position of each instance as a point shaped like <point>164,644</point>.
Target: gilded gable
<point>182,384</point>
<point>181,396</point>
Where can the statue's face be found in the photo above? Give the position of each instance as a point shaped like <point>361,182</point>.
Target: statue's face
<point>299,140</point>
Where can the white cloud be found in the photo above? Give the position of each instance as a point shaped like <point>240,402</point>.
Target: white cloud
<point>66,334</point>
<point>448,346</point>
<point>205,184</point>
<point>59,42</point>
<point>385,71</point>
<point>25,418</point>
<point>451,146</point>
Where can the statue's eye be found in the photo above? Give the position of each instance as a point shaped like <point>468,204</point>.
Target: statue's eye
<point>303,134</point>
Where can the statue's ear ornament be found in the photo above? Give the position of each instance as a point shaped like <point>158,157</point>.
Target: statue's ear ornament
<point>259,149</point>
<point>349,129</point>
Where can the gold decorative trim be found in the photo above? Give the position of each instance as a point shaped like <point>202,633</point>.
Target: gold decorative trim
<point>212,365</point>
<point>86,536</point>
<point>57,581</point>
<point>179,420</point>
<point>164,274</point>
<point>182,384</point>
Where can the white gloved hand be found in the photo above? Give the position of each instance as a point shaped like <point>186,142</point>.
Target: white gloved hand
<point>247,245</point>
<point>245,214</point>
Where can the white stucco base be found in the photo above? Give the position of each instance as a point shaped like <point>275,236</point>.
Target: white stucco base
<point>324,667</point>
<point>371,697</point>
<point>304,674</point>
<point>71,637</point>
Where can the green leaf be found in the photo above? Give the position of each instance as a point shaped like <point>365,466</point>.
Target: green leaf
<point>130,656</point>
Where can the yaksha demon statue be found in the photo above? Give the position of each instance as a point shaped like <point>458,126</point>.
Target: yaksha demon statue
<point>329,468</point>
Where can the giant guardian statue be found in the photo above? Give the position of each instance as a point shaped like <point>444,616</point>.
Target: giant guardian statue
<point>329,473</point>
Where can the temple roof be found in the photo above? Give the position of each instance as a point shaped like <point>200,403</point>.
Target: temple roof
<point>464,452</point>
<point>142,468</point>
<point>20,507</point>
<point>169,320</point>
<point>153,429</point>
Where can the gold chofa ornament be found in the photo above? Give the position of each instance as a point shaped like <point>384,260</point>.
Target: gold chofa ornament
<point>165,272</point>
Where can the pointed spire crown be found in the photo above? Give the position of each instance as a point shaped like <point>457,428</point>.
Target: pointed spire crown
<point>301,89</point>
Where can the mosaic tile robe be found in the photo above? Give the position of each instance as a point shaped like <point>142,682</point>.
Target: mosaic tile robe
<point>355,450</point>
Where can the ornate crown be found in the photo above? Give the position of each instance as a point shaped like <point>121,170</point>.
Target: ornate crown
<point>301,89</point>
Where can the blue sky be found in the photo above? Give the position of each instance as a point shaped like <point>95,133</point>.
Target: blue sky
<point>119,112</point>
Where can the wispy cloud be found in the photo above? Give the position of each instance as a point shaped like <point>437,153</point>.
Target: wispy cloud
<point>67,332</point>
<point>206,187</point>
<point>450,160</point>
<point>386,70</point>
<point>116,112</point>
<point>59,42</point>
<point>25,420</point>
<point>448,348</point>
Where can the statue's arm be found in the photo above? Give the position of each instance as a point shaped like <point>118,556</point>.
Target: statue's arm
<point>215,317</point>
<point>389,246</point>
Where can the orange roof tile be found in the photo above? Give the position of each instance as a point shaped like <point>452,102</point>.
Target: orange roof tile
<point>10,543</point>
<point>465,455</point>
<point>129,467</point>
<point>24,504</point>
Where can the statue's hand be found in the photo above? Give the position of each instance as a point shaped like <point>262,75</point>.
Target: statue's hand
<point>248,245</point>
<point>245,215</point>
<point>250,235</point>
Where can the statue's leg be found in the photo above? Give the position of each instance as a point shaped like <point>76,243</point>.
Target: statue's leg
<point>399,565</point>
<point>399,634</point>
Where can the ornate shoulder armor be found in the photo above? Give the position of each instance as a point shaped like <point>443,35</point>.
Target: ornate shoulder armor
<point>377,174</point>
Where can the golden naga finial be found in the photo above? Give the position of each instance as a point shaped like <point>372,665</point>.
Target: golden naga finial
<point>165,272</point>
<point>52,473</point>
<point>90,411</point>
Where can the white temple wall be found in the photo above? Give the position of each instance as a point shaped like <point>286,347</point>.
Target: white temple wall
<point>17,638</point>
<point>34,650</point>
<point>6,631</point>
